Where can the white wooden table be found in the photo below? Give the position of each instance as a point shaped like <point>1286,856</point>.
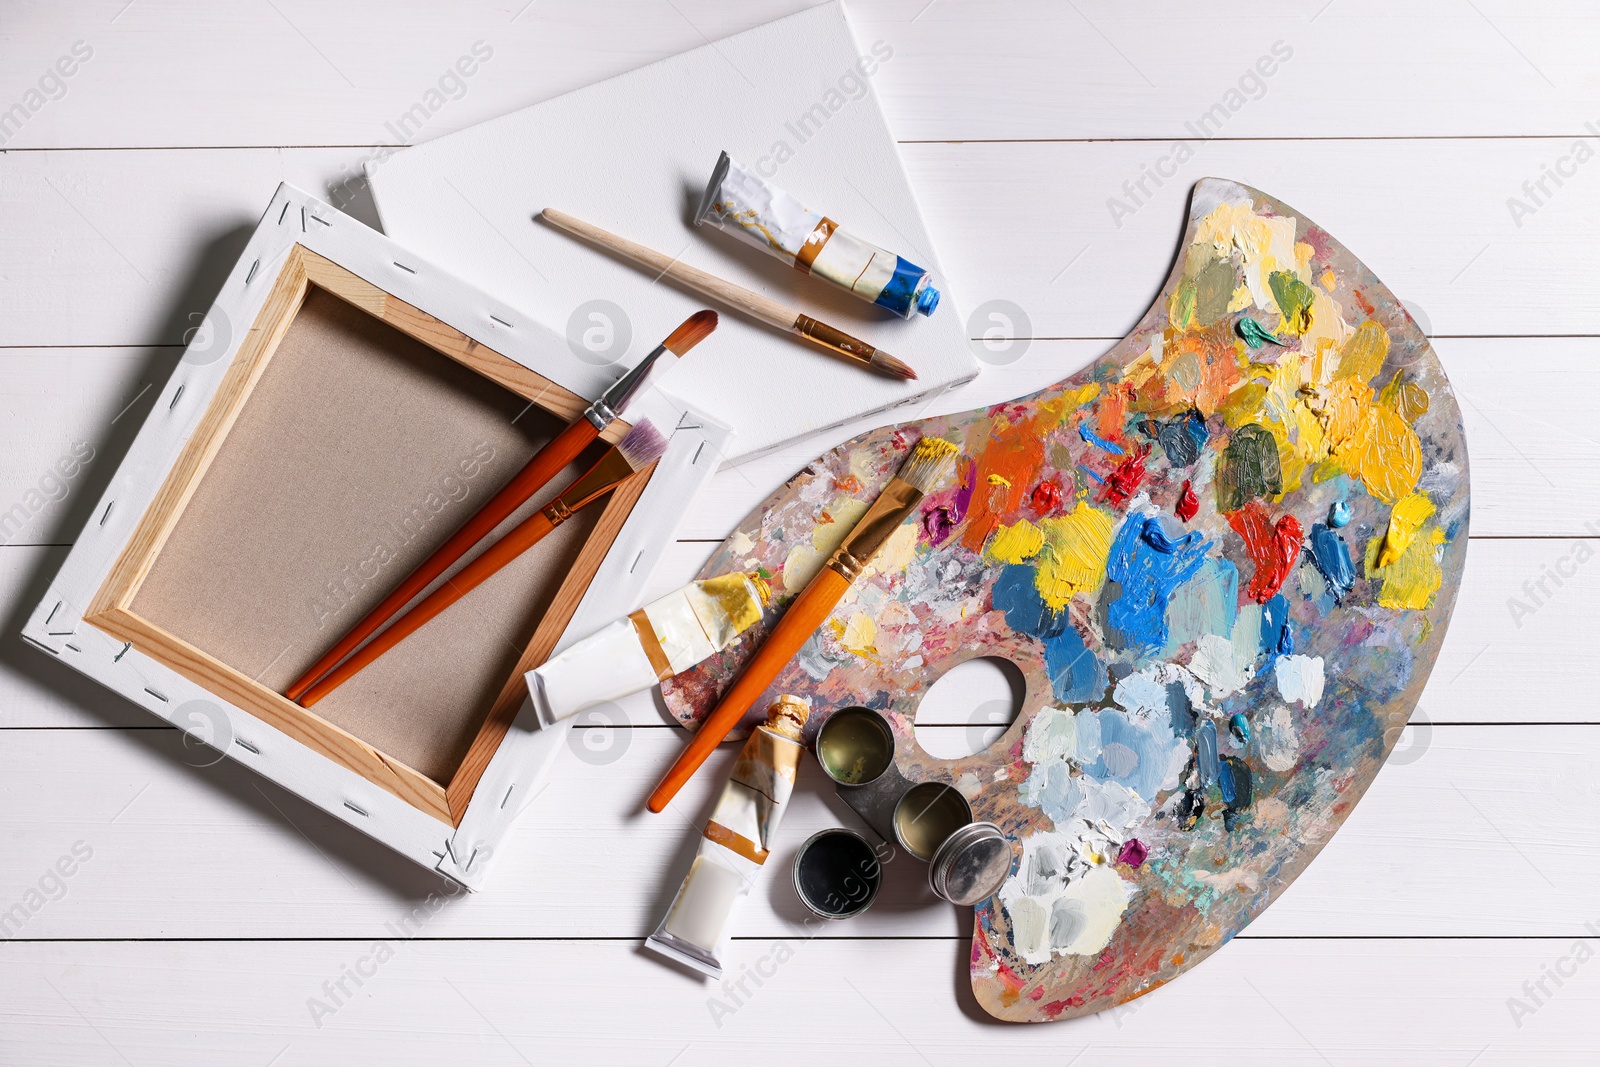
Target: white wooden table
<point>208,914</point>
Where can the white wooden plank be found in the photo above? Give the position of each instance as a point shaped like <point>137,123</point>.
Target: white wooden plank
<point>1425,1003</point>
<point>115,248</point>
<point>1480,831</point>
<point>961,69</point>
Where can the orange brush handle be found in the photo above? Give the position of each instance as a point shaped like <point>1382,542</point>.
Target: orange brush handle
<point>545,465</point>
<point>809,611</point>
<point>527,533</point>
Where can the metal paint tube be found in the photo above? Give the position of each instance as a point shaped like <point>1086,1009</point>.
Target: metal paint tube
<point>739,201</point>
<point>736,842</point>
<point>659,640</point>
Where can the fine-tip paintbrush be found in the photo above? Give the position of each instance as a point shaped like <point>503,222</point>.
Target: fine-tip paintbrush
<point>761,308</point>
<point>929,461</point>
<point>642,446</point>
<point>545,464</point>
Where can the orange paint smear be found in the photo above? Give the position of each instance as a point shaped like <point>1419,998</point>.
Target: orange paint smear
<point>1015,454</point>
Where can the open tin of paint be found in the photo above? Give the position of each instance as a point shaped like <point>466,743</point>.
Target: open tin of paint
<point>837,874</point>
<point>932,821</point>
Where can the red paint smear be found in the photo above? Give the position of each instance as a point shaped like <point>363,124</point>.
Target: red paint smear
<point>1046,497</point>
<point>1366,305</point>
<point>1273,549</point>
<point>1188,505</point>
<point>1015,453</point>
<point>1125,480</point>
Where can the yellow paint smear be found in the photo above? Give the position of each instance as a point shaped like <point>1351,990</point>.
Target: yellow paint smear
<point>1001,480</point>
<point>1363,354</point>
<point>859,635</point>
<point>1073,559</point>
<point>1404,522</point>
<point>896,553</point>
<point>1017,542</point>
<point>1410,582</point>
<point>1385,454</point>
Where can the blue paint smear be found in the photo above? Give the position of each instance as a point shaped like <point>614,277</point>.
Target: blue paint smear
<point>1332,557</point>
<point>1090,437</point>
<point>1131,753</point>
<point>1274,620</point>
<point>1076,674</point>
<point>1208,603</point>
<point>1181,438</point>
<point>1225,781</point>
<point>1156,537</point>
<point>1286,641</point>
<point>1148,577</point>
<point>1206,752</point>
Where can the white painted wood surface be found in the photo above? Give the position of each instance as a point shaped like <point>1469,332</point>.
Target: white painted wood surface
<point>214,906</point>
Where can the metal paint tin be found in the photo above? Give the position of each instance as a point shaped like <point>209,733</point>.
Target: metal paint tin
<point>855,746</point>
<point>971,864</point>
<point>837,874</point>
<point>926,815</point>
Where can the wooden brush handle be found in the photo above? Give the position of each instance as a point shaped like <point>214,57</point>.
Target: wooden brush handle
<point>545,465</point>
<point>809,611</point>
<point>527,533</point>
<point>737,297</point>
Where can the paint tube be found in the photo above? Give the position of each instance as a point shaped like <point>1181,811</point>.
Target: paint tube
<point>736,842</point>
<point>738,201</point>
<point>651,645</point>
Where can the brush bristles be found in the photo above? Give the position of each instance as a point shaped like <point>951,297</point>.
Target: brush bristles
<point>642,445</point>
<point>884,363</point>
<point>928,462</point>
<point>695,328</point>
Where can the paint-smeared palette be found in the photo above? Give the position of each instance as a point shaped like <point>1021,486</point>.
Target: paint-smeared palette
<point>1224,557</point>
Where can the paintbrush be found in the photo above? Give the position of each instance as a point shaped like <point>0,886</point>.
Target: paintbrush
<point>642,446</point>
<point>737,297</point>
<point>929,461</point>
<point>545,464</point>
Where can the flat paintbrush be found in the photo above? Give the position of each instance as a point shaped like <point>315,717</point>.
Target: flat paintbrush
<point>928,462</point>
<point>545,464</point>
<point>761,308</point>
<point>641,447</point>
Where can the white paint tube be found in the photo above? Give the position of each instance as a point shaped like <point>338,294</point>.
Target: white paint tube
<point>649,646</point>
<point>757,212</point>
<point>736,842</point>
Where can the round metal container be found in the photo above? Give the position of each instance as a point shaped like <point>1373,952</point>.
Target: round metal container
<point>926,815</point>
<point>971,864</point>
<point>836,874</point>
<point>855,746</point>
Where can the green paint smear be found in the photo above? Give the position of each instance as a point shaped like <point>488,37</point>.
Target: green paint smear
<point>1248,468</point>
<point>1294,299</point>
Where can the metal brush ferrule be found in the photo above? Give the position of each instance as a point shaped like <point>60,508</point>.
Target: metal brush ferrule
<point>614,399</point>
<point>557,512</point>
<point>833,339</point>
<point>897,500</point>
<point>600,414</point>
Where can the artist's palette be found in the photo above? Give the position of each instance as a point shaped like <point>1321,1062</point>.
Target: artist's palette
<point>1223,556</point>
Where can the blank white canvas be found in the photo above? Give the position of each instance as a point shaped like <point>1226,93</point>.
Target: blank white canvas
<point>632,155</point>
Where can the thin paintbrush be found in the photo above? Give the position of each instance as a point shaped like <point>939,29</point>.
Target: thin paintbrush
<point>737,297</point>
<point>928,463</point>
<point>546,464</point>
<point>641,447</point>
